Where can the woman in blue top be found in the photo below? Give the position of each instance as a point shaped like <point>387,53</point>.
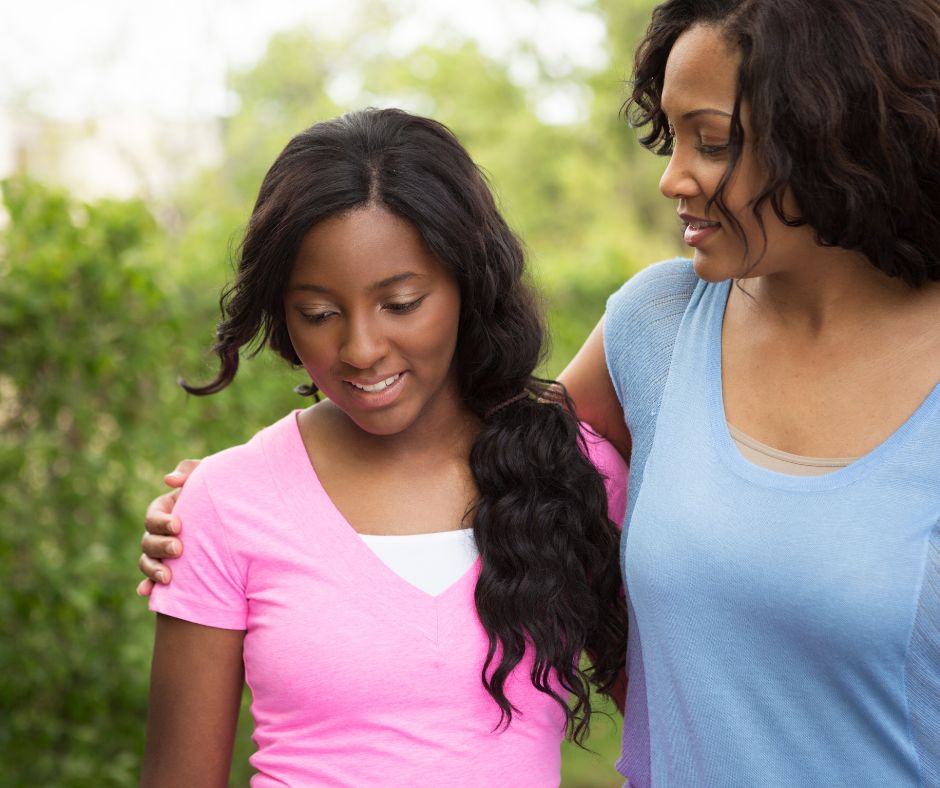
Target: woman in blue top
<point>778,396</point>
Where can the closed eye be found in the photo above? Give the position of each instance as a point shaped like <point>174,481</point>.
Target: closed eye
<point>404,308</point>
<point>711,150</point>
<point>316,317</point>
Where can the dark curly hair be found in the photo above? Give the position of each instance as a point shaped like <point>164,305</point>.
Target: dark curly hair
<point>550,578</point>
<point>843,100</point>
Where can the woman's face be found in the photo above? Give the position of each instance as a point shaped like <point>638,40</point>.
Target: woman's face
<point>698,98</point>
<point>373,316</point>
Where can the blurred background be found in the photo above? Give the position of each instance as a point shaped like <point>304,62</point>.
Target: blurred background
<point>133,138</point>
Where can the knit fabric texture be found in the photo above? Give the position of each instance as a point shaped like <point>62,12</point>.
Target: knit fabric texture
<point>784,630</point>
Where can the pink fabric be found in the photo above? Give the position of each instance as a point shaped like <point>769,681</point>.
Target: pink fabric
<point>357,677</point>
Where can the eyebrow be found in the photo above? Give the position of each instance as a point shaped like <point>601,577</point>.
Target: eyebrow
<point>705,111</point>
<point>387,282</point>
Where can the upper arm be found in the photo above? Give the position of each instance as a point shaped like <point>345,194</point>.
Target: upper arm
<point>195,693</point>
<point>589,385</point>
<point>209,578</point>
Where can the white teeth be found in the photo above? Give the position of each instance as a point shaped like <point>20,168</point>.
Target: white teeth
<point>382,384</point>
<point>702,225</point>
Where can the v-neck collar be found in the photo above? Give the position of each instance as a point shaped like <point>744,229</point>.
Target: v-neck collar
<point>313,511</point>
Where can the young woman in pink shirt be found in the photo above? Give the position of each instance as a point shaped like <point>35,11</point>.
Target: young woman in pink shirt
<point>376,259</point>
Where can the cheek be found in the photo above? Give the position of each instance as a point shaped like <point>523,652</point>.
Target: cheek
<point>433,334</point>
<point>435,337</point>
<point>745,182</point>
<point>307,346</point>
<point>739,190</point>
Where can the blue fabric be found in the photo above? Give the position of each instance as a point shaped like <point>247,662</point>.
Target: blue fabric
<point>923,668</point>
<point>639,334</point>
<point>784,630</point>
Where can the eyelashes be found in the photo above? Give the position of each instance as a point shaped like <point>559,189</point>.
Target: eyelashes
<point>317,317</point>
<point>405,308</point>
<point>396,308</point>
<point>712,150</point>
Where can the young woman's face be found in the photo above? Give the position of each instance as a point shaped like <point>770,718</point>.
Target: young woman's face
<point>698,98</point>
<point>373,316</point>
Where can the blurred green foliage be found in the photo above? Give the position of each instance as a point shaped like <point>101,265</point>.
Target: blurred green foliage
<point>103,305</point>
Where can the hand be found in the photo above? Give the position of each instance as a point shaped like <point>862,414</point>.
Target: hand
<point>158,541</point>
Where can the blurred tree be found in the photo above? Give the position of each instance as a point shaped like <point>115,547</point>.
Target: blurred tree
<point>92,331</point>
<point>101,308</point>
<point>78,309</point>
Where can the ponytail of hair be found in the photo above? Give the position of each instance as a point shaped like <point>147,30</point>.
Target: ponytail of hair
<point>550,578</point>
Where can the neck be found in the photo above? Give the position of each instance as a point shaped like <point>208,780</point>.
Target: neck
<point>833,289</point>
<point>444,430</point>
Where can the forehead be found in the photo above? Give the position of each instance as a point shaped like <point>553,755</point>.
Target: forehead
<point>363,246</point>
<point>701,72</point>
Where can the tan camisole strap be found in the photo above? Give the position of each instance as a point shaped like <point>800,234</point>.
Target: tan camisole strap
<point>782,461</point>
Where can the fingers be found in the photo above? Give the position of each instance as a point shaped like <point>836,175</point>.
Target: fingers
<point>178,476</point>
<point>158,542</point>
<point>159,519</point>
<point>149,563</point>
<point>155,571</point>
<point>160,547</point>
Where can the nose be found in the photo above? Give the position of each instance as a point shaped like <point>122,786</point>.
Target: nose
<point>364,344</point>
<point>677,181</point>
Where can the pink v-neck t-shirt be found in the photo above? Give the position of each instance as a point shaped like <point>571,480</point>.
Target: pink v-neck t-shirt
<point>357,677</point>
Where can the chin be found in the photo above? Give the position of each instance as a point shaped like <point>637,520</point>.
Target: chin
<point>382,424</point>
<point>710,270</point>
<point>713,269</point>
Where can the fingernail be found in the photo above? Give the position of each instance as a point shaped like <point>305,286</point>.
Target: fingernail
<point>140,588</point>
<point>173,526</point>
<point>174,473</point>
<point>161,577</point>
<point>172,548</point>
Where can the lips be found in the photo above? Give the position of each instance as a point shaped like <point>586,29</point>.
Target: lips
<point>697,229</point>
<point>376,393</point>
<point>696,222</point>
<point>380,385</point>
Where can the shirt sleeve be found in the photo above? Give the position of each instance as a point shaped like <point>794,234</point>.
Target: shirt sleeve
<point>207,588</point>
<point>612,467</point>
<point>640,326</point>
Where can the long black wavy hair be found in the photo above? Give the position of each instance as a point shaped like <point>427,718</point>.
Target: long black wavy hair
<point>843,99</point>
<point>550,578</point>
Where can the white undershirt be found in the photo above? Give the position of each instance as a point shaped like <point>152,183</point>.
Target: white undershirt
<point>431,562</point>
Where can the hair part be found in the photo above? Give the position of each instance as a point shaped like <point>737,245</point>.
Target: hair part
<point>550,578</point>
<point>843,104</point>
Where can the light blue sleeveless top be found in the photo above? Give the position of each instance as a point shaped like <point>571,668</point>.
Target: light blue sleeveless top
<point>784,630</point>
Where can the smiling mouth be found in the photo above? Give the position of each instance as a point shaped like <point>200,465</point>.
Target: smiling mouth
<point>374,387</point>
